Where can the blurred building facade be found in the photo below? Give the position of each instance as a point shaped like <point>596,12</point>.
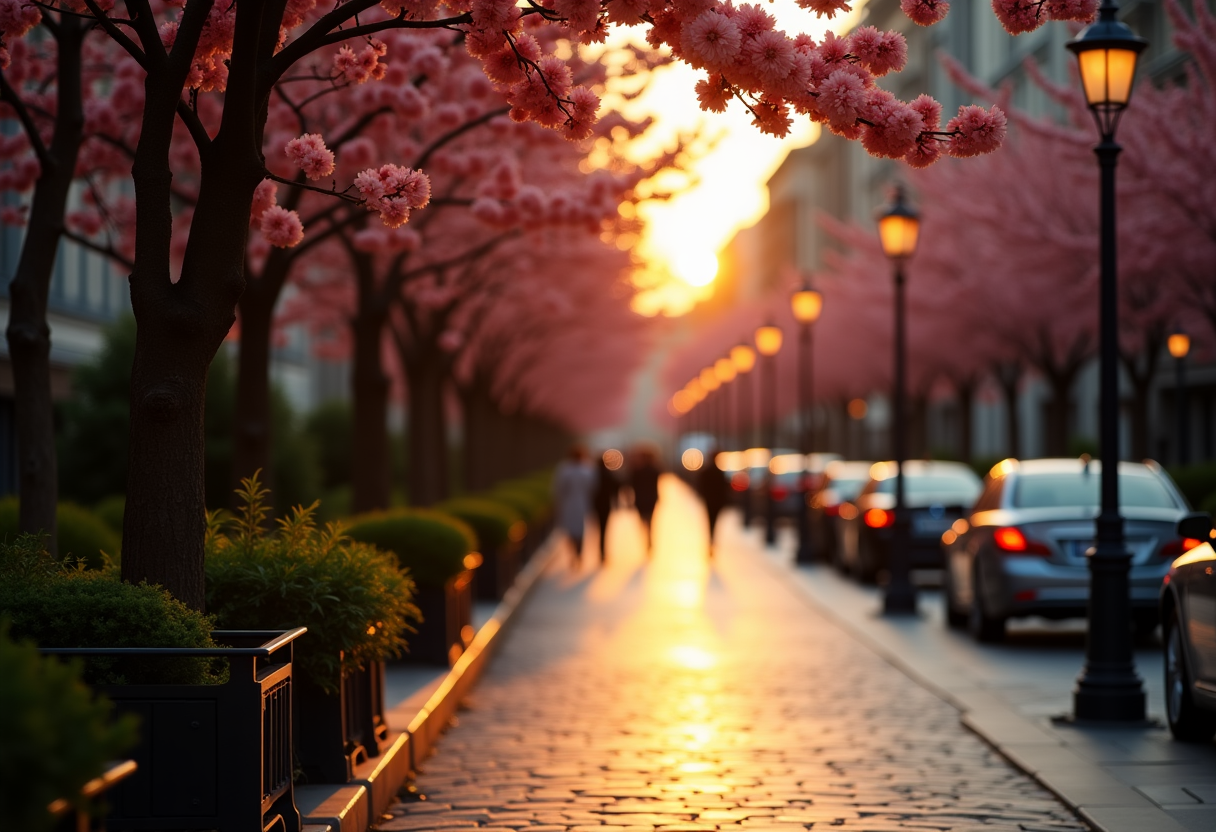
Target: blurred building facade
<point>838,178</point>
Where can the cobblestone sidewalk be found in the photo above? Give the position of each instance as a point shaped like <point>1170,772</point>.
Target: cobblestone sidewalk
<point>680,694</point>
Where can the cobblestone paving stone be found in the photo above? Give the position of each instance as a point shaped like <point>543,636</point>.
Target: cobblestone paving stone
<point>678,695</point>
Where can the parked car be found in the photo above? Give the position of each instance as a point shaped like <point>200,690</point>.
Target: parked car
<point>1022,550</point>
<point>1188,616</point>
<point>935,495</point>
<point>842,482</point>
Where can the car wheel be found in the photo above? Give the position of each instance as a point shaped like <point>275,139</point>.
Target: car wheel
<point>955,620</point>
<point>984,627</point>
<point>1187,722</point>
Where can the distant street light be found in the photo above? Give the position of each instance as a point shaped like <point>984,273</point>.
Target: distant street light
<point>1109,687</point>
<point>806,304</point>
<point>768,344</point>
<point>744,358</point>
<point>898,230</point>
<point>1179,344</point>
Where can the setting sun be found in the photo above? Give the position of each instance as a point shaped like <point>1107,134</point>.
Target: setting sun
<point>696,267</point>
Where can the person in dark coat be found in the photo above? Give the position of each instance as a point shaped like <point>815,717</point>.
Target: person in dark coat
<point>607,487</point>
<point>644,479</point>
<point>714,490</point>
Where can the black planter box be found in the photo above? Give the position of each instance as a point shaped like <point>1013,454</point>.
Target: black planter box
<point>210,756</point>
<point>334,732</point>
<point>447,621</point>
<point>497,572</point>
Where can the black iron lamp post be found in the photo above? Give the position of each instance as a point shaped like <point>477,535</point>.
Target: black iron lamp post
<point>710,383</point>
<point>898,229</point>
<point>1179,344</point>
<point>806,304</point>
<point>768,344</point>
<point>744,358</point>
<point>1108,687</point>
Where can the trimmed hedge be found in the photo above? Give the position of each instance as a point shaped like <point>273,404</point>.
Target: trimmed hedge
<point>353,598</point>
<point>429,544</point>
<point>82,534</point>
<point>57,736</point>
<point>521,500</point>
<point>56,605</point>
<point>494,522</point>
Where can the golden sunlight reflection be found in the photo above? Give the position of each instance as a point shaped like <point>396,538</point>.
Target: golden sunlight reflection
<point>695,267</point>
<point>691,657</point>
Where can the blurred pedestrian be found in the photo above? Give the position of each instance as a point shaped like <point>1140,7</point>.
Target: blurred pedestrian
<point>573,484</point>
<point>644,479</point>
<point>714,489</point>
<point>607,489</point>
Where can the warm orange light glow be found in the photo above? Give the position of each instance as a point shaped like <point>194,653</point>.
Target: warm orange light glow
<point>472,560</point>
<point>858,409</point>
<point>614,459</point>
<point>692,459</point>
<point>1106,75</point>
<point>725,370</point>
<point>807,304</point>
<point>693,658</point>
<point>708,380</point>
<point>877,518</point>
<point>682,402</point>
<point>898,233</point>
<point>743,357</point>
<point>1009,539</point>
<point>847,511</point>
<point>768,339</point>
<point>1179,344</point>
<point>694,389</point>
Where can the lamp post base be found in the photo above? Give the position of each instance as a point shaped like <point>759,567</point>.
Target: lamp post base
<point>899,601</point>
<point>1114,697</point>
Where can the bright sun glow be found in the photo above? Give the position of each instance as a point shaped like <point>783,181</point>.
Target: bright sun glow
<point>696,268</point>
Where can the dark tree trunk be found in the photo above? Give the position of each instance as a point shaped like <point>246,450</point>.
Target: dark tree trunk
<point>369,390</point>
<point>29,336</point>
<point>251,422</point>
<point>918,439</point>
<point>1008,377</point>
<point>1142,382</point>
<point>1057,432</point>
<point>427,474</point>
<point>479,443</point>
<point>965,388</point>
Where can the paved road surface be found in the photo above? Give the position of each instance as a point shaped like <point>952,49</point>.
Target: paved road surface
<point>677,694</point>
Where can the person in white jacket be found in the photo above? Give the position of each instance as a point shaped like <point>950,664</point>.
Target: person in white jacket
<point>573,486</point>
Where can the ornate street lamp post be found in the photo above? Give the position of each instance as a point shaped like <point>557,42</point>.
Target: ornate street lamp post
<point>709,381</point>
<point>1108,687</point>
<point>1179,344</point>
<point>768,344</point>
<point>806,304</point>
<point>898,228</point>
<point>744,358</point>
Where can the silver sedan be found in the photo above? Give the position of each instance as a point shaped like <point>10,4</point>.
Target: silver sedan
<point>1022,550</point>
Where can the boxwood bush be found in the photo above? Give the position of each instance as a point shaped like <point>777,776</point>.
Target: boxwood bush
<point>495,523</point>
<point>524,500</point>
<point>429,544</point>
<point>59,604</point>
<point>82,534</point>
<point>353,598</point>
<point>57,735</point>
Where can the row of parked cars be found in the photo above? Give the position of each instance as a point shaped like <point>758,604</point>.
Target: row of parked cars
<point>1015,545</point>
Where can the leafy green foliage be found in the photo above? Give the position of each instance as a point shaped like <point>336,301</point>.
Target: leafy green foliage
<point>494,523</point>
<point>59,604</point>
<point>430,544</point>
<point>57,736</point>
<point>82,534</point>
<point>523,500</point>
<point>352,597</point>
<point>111,511</point>
<point>331,427</point>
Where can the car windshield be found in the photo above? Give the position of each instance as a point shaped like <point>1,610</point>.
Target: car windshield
<point>946,487</point>
<point>1081,490</point>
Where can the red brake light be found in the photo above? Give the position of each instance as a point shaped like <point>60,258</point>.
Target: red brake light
<point>739,481</point>
<point>831,510</point>
<point>877,518</point>
<point>779,492</point>
<point>1010,539</point>
<point>1178,547</point>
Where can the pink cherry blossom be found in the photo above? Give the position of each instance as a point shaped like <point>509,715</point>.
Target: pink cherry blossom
<point>976,131</point>
<point>17,17</point>
<point>826,8</point>
<point>771,56</point>
<point>281,228</point>
<point>925,12</point>
<point>713,93</point>
<point>893,126</point>
<point>1081,11</point>
<point>1019,16</point>
<point>842,97</point>
<point>309,153</point>
<point>711,40</point>
<point>881,52</point>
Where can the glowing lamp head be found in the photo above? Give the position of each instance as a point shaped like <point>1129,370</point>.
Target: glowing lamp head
<point>1179,344</point>
<point>1107,51</point>
<point>708,380</point>
<point>898,227</point>
<point>743,357</point>
<point>807,304</point>
<point>768,339</point>
<point>725,370</point>
<point>695,390</point>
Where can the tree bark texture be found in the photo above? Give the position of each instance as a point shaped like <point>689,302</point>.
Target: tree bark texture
<point>251,422</point>
<point>965,388</point>
<point>427,468</point>
<point>28,334</point>
<point>369,392</point>
<point>1141,367</point>
<point>1008,377</point>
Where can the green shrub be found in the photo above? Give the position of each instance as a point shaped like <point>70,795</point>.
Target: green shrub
<point>1196,482</point>
<point>59,604</point>
<point>431,545</point>
<point>523,500</point>
<point>353,598</point>
<point>111,511</point>
<point>492,521</point>
<point>331,427</point>
<point>1209,504</point>
<point>57,736</point>
<point>82,534</point>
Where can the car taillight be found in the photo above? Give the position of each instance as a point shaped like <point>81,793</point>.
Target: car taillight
<point>779,492</point>
<point>879,518</point>
<point>740,481</point>
<point>1177,547</point>
<point>1010,539</point>
<point>832,510</point>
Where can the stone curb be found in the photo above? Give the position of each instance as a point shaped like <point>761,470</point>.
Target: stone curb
<point>354,806</point>
<point>1098,799</point>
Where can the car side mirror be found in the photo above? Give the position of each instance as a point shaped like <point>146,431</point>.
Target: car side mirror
<point>1197,526</point>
